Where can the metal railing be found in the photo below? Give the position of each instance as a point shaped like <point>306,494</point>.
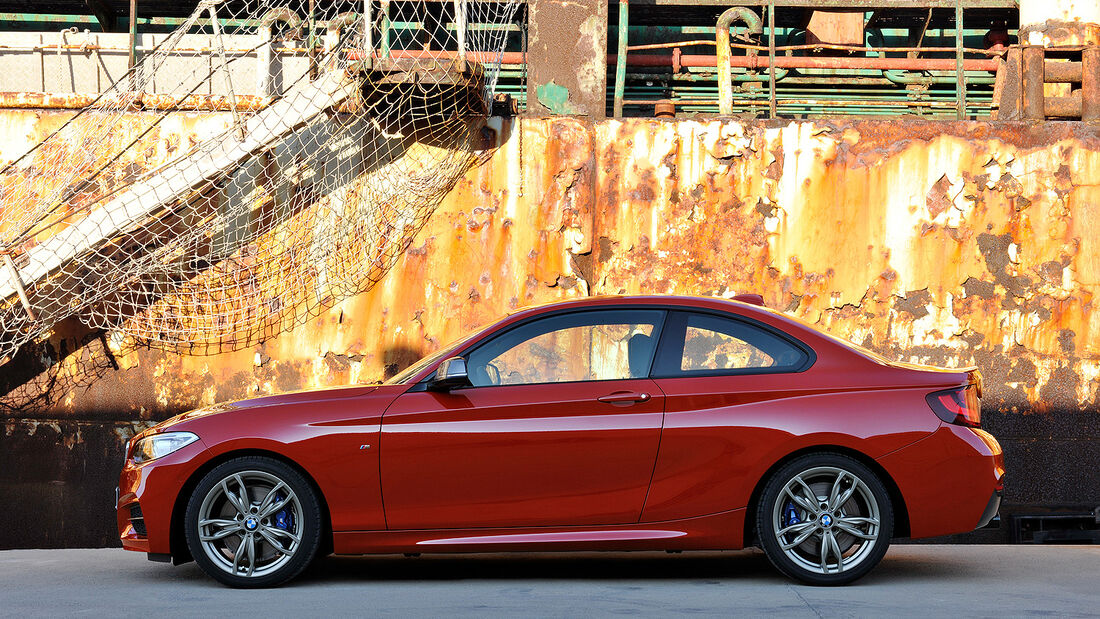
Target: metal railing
<point>724,61</point>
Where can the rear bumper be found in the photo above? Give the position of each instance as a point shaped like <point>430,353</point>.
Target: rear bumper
<point>951,481</point>
<point>991,508</point>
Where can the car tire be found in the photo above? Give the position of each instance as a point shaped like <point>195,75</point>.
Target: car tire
<point>253,522</point>
<point>849,517</point>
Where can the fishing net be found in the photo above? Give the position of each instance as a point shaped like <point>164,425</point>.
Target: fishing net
<point>341,127</point>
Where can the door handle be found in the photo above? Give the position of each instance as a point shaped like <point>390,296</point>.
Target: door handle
<point>621,398</point>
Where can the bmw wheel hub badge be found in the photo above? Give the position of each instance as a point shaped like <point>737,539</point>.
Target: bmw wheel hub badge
<point>250,524</point>
<point>826,520</point>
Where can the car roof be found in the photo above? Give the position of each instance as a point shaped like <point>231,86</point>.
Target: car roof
<point>684,301</point>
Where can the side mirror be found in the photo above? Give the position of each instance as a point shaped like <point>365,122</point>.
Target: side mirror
<point>451,374</point>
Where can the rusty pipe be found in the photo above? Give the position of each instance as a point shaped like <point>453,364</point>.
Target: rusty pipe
<point>265,56</point>
<point>701,60</point>
<point>1032,90</point>
<point>283,14</point>
<point>335,26</point>
<point>1090,83</point>
<point>807,62</point>
<point>460,31</point>
<point>722,41</point>
<point>620,63</point>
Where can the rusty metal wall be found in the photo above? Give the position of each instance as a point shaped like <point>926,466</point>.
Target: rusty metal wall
<point>566,48</point>
<point>939,242</point>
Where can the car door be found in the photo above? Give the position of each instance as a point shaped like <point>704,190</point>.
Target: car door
<point>723,378</point>
<point>560,427</point>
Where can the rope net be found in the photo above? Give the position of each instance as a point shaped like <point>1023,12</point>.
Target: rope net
<point>343,124</point>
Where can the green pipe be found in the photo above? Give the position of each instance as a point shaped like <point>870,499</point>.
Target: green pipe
<point>620,58</point>
<point>898,76</point>
<point>385,28</point>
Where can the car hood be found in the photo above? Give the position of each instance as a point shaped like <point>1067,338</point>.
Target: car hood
<point>291,397</point>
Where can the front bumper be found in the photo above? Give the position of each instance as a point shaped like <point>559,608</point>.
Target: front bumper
<point>146,497</point>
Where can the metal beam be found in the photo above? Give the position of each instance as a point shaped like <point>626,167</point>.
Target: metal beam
<point>145,198</point>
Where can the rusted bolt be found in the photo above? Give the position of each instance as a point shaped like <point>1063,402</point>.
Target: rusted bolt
<point>664,108</point>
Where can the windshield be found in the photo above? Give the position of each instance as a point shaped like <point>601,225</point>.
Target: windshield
<point>408,373</point>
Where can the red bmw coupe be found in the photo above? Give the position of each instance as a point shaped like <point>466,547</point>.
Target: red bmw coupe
<point>617,423</point>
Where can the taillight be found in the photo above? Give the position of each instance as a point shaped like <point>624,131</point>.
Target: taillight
<point>959,406</point>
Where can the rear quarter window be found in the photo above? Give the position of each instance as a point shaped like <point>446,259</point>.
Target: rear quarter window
<point>700,344</point>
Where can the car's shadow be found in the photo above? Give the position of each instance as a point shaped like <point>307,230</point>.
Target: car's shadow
<point>729,566</point>
<point>544,566</point>
<point>741,565</point>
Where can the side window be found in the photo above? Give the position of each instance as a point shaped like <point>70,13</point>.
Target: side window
<point>717,344</point>
<point>592,345</point>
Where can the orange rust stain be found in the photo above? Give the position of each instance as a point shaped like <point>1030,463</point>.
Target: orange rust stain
<point>946,243</point>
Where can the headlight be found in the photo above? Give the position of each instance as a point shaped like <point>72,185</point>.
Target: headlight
<point>159,445</point>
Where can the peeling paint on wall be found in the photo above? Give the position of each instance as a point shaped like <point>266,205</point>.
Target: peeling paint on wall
<point>932,242</point>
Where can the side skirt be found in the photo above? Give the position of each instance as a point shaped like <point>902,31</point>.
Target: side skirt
<point>721,531</point>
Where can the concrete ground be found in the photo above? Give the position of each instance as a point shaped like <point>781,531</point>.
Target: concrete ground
<point>913,580</point>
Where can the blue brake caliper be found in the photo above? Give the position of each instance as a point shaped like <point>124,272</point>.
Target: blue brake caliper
<point>284,519</point>
<point>790,514</point>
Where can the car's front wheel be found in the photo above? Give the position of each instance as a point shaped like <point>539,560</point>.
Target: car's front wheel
<point>253,522</point>
<point>824,519</point>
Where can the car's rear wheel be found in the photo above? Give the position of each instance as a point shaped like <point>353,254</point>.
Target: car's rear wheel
<point>253,522</point>
<point>825,519</point>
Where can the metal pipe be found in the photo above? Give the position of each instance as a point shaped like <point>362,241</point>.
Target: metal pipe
<point>311,43</point>
<point>334,29</point>
<point>771,58</point>
<point>1033,103</point>
<point>960,73</point>
<point>368,27</point>
<point>706,78</point>
<point>1064,107</point>
<point>810,62</point>
<point>133,33</point>
<point>1055,72</point>
<point>621,57</point>
<point>901,77</point>
<point>722,42</point>
<point>817,46</point>
<point>17,283</point>
<point>743,62</point>
<point>385,27</point>
<point>1090,83</point>
<point>823,102</point>
<point>460,30</point>
<point>265,56</point>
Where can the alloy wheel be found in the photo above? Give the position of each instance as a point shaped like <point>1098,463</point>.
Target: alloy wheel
<point>250,523</point>
<point>825,519</point>
<point>829,521</point>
